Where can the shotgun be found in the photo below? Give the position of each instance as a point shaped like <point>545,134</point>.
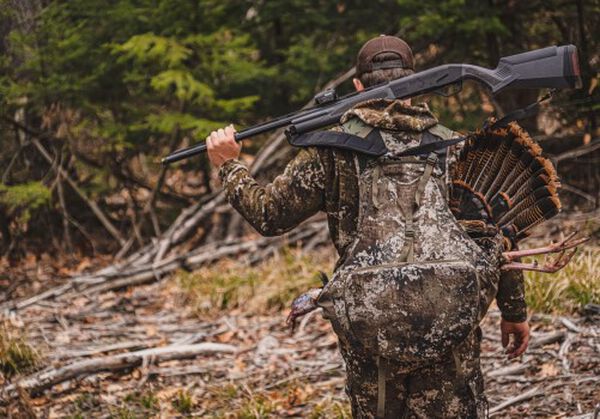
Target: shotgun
<point>552,67</point>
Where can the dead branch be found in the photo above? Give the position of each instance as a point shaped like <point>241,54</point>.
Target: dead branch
<point>578,152</point>
<point>93,206</point>
<point>52,376</point>
<point>564,351</point>
<point>111,279</point>
<point>163,256</point>
<point>509,370</point>
<point>547,339</point>
<point>534,392</point>
<point>588,197</point>
<point>65,213</point>
<point>569,325</point>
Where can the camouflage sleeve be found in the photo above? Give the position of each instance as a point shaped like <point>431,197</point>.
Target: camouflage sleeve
<point>278,207</point>
<point>511,296</point>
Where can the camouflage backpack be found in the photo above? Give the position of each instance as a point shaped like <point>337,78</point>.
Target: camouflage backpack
<point>412,285</point>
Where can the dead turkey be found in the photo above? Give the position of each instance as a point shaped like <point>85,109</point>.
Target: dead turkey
<point>501,179</point>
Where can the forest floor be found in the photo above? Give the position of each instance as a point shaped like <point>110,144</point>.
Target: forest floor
<point>258,368</point>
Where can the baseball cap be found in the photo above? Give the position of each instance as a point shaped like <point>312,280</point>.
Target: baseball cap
<point>384,44</point>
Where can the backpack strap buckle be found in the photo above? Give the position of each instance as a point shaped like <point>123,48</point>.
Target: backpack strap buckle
<point>431,159</point>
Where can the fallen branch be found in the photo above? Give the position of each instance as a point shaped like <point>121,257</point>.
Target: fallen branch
<point>149,272</point>
<point>547,339</point>
<point>50,377</point>
<point>509,370</point>
<point>534,392</point>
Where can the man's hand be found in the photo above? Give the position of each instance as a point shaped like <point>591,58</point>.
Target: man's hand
<point>221,146</point>
<point>520,337</point>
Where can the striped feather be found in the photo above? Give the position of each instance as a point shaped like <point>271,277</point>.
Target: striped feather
<point>502,179</point>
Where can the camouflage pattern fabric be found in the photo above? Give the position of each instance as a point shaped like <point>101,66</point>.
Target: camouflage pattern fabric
<point>442,390</point>
<point>412,285</point>
<point>323,179</point>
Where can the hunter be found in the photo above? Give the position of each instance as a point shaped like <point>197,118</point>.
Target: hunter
<point>325,179</point>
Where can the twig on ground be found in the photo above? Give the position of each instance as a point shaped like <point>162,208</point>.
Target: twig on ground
<point>534,392</point>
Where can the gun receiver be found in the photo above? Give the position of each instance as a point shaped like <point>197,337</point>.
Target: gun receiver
<point>551,67</point>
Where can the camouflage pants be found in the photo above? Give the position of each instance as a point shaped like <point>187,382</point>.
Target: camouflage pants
<point>451,389</point>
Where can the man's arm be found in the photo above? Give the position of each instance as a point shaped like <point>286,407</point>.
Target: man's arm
<point>511,301</point>
<point>278,207</point>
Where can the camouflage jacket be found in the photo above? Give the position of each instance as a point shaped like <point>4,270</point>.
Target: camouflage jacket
<point>325,179</point>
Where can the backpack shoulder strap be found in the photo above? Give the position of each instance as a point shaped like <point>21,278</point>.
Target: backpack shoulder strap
<point>355,136</point>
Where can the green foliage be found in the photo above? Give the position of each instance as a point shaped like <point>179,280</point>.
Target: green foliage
<point>123,413</point>
<point>22,200</point>
<point>182,84</point>
<point>256,407</point>
<point>138,404</point>
<point>150,48</point>
<point>331,409</point>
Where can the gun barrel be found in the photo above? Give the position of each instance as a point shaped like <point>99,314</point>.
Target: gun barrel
<point>247,133</point>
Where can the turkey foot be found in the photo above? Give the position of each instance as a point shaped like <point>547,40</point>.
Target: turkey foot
<point>553,265</point>
<point>302,305</point>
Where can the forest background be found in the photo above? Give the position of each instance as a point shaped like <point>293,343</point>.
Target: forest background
<point>109,87</point>
<point>92,95</point>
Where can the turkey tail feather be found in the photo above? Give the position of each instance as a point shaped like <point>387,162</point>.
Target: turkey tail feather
<point>501,178</point>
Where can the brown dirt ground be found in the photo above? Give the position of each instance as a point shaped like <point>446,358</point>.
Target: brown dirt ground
<point>274,373</point>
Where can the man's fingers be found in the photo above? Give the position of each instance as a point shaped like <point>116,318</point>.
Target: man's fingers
<point>505,338</point>
<point>519,346</point>
<point>212,138</point>
<point>522,345</point>
<point>221,145</point>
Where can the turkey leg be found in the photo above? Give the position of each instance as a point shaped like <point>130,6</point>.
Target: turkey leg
<point>551,266</point>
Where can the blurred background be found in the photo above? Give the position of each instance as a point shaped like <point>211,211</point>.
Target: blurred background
<point>107,88</point>
<point>101,247</point>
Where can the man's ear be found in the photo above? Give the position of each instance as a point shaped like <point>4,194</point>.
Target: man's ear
<point>358,85</point>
